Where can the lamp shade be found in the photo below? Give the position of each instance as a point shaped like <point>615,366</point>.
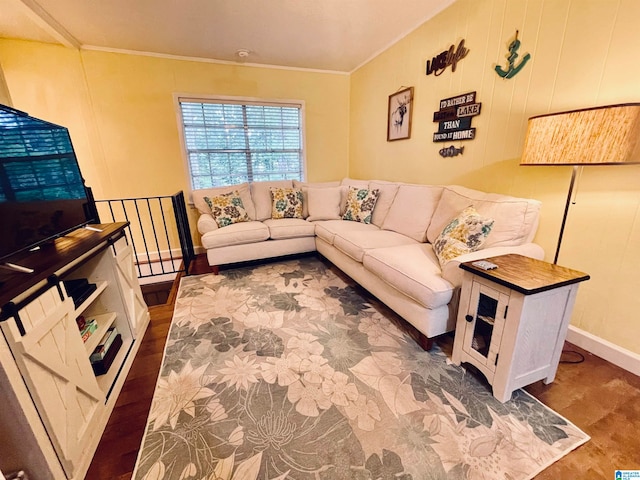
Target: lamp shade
<point>592,136</point>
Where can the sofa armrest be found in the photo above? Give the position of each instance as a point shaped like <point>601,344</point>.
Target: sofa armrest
<point>453,273</point>
<point>206,223</point>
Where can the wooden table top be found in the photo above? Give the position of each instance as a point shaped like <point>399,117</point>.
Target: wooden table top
<point>51,257</point>
<point>526,275</point>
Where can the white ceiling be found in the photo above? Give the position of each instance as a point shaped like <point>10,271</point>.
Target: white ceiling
<point>335,35</point>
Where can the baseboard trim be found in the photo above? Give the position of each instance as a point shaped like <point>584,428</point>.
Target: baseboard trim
<point>611,352</point>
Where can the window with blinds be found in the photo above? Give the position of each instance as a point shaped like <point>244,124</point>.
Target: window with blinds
<point>230,142</point>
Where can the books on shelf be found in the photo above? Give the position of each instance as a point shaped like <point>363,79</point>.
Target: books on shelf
<point>81,322</point>
<point>107,339</point>
<point>89,327</point>
<point>100,367</point>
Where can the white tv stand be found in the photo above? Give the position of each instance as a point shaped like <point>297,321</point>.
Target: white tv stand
<point>54,407</point>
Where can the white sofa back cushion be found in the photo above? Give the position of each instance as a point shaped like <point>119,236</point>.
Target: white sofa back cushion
<point>515,219</point>
<point>386,194</point>
<point>243,190</point>
<point>304,186</point>
<point>261,195</point>
<point>412,209</point>
<point>324,203</point>
<point>353,182</point>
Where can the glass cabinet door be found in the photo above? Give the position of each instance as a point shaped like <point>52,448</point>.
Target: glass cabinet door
<point>485,322</point>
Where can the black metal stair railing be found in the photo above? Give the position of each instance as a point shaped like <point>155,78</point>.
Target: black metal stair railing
<point>158,230</point>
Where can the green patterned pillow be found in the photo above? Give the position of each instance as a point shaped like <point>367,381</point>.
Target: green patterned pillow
<point>227,208</point>
<point>286,202</point>
<point>360,204</point>
<point>464,234</point>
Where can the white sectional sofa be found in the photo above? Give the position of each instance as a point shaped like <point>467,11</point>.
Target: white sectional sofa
<point>393,256</point>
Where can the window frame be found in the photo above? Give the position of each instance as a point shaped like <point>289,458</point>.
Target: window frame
<point>178,97</point>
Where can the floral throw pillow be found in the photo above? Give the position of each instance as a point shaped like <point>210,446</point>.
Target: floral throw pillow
<point>227,208</point>
<point>286,202</point>
<point>360,204</point>
<point>464,234</point>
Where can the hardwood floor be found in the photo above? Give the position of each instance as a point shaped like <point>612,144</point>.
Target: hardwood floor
<point>600,398</point>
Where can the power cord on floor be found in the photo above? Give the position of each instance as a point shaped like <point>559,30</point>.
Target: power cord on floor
<point>580,358</point>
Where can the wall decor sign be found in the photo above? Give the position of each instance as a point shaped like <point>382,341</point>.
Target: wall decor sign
<point>451,151</point>
<point>450,57</point>
<point>454,118</point>
<point>399,115</point>
<point>512,68</point>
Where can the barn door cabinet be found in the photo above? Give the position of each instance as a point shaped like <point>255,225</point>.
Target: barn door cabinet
<point>58,406</point>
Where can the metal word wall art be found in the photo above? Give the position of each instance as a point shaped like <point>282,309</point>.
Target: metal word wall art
<point>450,57</point>
<point>512,68</point>
<point>454,118</point>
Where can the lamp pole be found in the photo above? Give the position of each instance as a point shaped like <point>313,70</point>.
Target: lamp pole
<point>566,211</point>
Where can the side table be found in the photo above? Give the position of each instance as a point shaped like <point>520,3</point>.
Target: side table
<point>513,320</point>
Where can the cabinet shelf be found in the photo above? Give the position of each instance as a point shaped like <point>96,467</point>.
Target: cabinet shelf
<point>104,322</point>
<point>487,320</point>
<point>106,381</point>
<point>100,287</point>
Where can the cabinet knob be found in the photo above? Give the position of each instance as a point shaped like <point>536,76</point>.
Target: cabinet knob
<point>468,318</point>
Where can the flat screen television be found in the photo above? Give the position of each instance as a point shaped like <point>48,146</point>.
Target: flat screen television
<point>42,192</point>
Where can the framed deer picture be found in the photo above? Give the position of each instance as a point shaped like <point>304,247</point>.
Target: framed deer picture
<point>399,116</point>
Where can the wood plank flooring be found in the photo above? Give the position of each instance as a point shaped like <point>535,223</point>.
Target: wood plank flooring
<point>600,398</point>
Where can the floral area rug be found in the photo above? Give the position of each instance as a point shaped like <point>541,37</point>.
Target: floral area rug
<point>286,371</point>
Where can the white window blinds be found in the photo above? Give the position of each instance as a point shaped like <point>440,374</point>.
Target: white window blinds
<point>230,143</point>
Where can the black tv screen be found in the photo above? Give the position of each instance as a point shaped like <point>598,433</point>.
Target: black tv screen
<point>42,192</point>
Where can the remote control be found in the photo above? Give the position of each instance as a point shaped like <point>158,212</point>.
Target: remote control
<point>485,265</point>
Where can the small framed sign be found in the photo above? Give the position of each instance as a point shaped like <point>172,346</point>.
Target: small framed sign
<point>399,115</point>
<point>454,119</point>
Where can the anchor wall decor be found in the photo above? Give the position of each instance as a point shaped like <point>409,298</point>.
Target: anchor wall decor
<point>512,68</point>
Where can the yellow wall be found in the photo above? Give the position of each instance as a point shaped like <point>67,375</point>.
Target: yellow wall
<point>120,111</point>
<point>5,97</point>
<point>583,54</point>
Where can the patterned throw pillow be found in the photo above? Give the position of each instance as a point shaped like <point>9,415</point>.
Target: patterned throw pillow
<point>227,208</point>
<point>360,204</point>
<point>464,234</point>
<point>286,202</point>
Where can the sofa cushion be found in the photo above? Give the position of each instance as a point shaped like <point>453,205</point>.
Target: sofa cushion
<point>324,203</point>
<point>286,202</point>
<point>412,209</point>
<point>328,229</point>
<point>304,186</point>
<point>261,195</point>
<point>356,243</point>
<point>412,270</point>
<point>346,183</point>
<point>386,193</point>
<point>289,228</point>
<point>227,209</point>
<point>243,190</point>
<point>516,219</point>
<point>353,182</point>
<point>463,234</point>
<point>360,204</point>
<point>236,234</point>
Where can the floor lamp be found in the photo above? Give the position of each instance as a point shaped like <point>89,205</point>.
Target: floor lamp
<point>608,135</point>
